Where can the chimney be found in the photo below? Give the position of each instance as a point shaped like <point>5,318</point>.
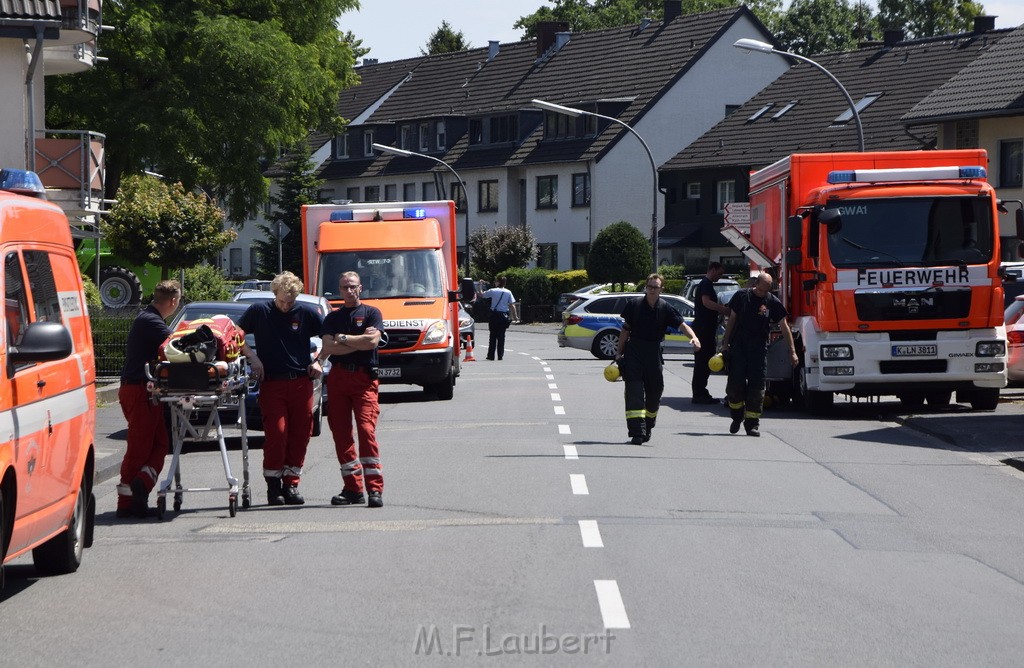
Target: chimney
<point>673,8</point>
<point>546,31</point>
<point>493,47</point>
<point>369,61</point>
<point>892,37</point>
<point>982,24</point>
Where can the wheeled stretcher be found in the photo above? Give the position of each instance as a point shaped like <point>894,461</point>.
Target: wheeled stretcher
<point>196,394</point>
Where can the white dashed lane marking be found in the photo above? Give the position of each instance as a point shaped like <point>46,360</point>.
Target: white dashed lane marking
<point>559,410</point>
<point>612,609</point>
<point>564,429</point>
<point>590,533</point>
<point>570,452</point>
<point>555,396</point>
<point>579,483</point>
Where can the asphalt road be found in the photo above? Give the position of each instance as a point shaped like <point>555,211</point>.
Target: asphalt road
<point>520,527</point>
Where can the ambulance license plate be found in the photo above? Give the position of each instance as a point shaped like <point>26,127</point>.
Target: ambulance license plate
<point>389,372</point>
<point>915,351</point>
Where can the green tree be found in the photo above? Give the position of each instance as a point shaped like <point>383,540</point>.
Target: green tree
<point>584,15</point>
<point>153,223</point>
<point>445,40</point>
<point>620,253</point>
<point>503,248</point>
<point>928,18</point>
<point>298,187</point>
<point>205,282</point>
<point>809,27</point>
<point>206,91</point>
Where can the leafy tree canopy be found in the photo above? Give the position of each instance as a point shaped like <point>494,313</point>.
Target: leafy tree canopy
<point>927,18</point>
<point>620,253</point>
<point>503,248</point>
<point>206,91</point>
<point>445,40</point>
<point>153,223</point>
<point>817,26</point>
<point>587,15</point>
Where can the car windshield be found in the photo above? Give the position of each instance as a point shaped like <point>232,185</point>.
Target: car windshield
<point>1014,312</point>
<point>912,231</point>
<point>385,274</point>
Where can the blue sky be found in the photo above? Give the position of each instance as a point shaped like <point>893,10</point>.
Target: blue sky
<point>396,29</point>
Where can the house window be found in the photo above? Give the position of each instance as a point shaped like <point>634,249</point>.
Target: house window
<point>967,134</point>
<point>1011,163</point>
<point>547,256</point>
<point>547,192</point>
<point>424,136</point>
<point>391,193</point>
<point>408,192</point>
<point>352,194</point>
<point>726,194</point>
<point>405,141</point>
<point>581,189</point>
<point>476,131</point>
<point>487,194</point>
<point>759,113</point>
<point>429,190</point>
<point>371,194</point>
<point>441,139</point>
<point>693,190</point>
<point>580,252</point>
<point>458,196</point>
<point>235,261</point>
<point>368,143</point>
<point>780,112</point>
<point>254,260</point>
<point>560,126</point>
<point>341,145</point>
<point>504,129</point>
<point>862,104</point>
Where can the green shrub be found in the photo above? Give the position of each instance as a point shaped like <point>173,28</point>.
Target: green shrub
<point>672,271</point>
<point>530,286</point>
<point>674,286</point>
<point>206,283</point>
<point>568,281</point>
<point>92,294</point>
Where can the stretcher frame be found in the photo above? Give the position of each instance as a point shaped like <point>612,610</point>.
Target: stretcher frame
<point>225,387</point>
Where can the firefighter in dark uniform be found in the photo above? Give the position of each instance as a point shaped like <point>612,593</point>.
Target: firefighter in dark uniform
<point>147,436</point>
<point>639,355</point>
<point>282,329</point>
<point>752,313</point>
<point>706,310</point>
<point>351,335</point>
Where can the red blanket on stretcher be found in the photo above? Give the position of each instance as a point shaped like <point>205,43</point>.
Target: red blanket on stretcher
<point>204,340</point>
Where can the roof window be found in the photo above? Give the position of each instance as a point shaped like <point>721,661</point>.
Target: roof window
<point>789,105</point>
<point>760,112</point>
<point>845,117</point>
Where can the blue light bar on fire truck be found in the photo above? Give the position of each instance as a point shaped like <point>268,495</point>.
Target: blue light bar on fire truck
<point>908,174</point>
<point>370,214</point>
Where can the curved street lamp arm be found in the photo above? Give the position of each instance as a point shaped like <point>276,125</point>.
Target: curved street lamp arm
<point>842,89</point>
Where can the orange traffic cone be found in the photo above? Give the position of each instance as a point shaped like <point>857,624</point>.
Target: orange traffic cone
<point>469,350</point>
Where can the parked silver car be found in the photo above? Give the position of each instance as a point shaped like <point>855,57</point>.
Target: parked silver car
<point>593,323</point>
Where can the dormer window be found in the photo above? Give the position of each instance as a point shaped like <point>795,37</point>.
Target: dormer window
<point>442,140</point>
<point>341,145</point>
<point>425,136</point>
<point>368,143</point>
<point>561,126</point>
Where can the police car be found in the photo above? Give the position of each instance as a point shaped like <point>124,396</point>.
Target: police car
<point>593,323</point>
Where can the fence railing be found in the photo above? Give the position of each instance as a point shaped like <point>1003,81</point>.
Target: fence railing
<point>110,329</point>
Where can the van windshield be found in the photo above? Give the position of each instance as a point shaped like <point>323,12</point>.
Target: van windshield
<point>913,231</point>
<point>385,274</point>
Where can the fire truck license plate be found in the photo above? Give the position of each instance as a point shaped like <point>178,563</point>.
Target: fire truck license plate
<point>914,351</point>
<point>389,372</point>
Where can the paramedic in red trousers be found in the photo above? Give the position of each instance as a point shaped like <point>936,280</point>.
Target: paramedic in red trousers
<point>285,368</point>
<point>351,334</point>
<point>645,320</point>
<point>751,314</point>
<point>147,433</point>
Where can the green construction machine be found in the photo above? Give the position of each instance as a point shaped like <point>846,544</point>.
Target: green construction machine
<point>120,283</point>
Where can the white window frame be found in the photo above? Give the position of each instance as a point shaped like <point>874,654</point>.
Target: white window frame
<point>725,193</point>
<point>441,137</point>
<point>341,146</point>
<point>693,190</point>
<point>368,143</point>
<point>424,136</point>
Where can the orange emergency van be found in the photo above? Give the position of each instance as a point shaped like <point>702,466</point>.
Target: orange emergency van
<point>47,385</point>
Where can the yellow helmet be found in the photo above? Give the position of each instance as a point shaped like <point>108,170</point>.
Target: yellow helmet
<point>716,363</point>
<point>611,372</point>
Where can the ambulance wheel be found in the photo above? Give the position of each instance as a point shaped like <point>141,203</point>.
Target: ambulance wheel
<point>119,287</point>
<point>161,507</point>
<point>605,345</point>
<point>63,553</point>
<point>233,506</point>
<point>445,390</point>
<point>939,399</point>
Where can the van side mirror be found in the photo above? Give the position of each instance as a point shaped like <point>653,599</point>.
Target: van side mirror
<point>468,288</point>
<point>42,342</point>
<point>832,220</point>
<point>794,232</point>
<point>453,295</point>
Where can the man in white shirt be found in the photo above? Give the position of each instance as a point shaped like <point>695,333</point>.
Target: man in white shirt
<point>501,317</point>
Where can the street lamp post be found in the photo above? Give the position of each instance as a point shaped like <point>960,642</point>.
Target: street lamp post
<point>570,111</point>
<point>764,47</point>
<point>462,184</point>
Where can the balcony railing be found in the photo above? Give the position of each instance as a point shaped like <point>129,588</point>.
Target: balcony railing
<point>71,164</point>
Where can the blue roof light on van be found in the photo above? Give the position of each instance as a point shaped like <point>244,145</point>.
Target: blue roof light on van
<point>341,215</point>
<point>415,214</point>
<point>906,174</point>
<point>21,181</point>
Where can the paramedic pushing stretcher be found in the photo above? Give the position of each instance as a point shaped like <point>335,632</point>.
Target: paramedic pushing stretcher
<point>147,434</point>
<point>639,353</point>
<point>286,370</point>
<point>351,334</point>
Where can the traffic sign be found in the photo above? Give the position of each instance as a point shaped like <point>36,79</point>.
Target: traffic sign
<point>737,213</point>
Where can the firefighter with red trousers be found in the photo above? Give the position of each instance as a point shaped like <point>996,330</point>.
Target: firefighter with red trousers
<point>147,434</point>
<point>282,328</point>
<point>351,334</point>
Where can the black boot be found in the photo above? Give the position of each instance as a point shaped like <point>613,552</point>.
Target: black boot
<point>752,426</point>
<point>291,494</point>
<point>648,428</point>
<point>737,420</point>
<point>275,495</point>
